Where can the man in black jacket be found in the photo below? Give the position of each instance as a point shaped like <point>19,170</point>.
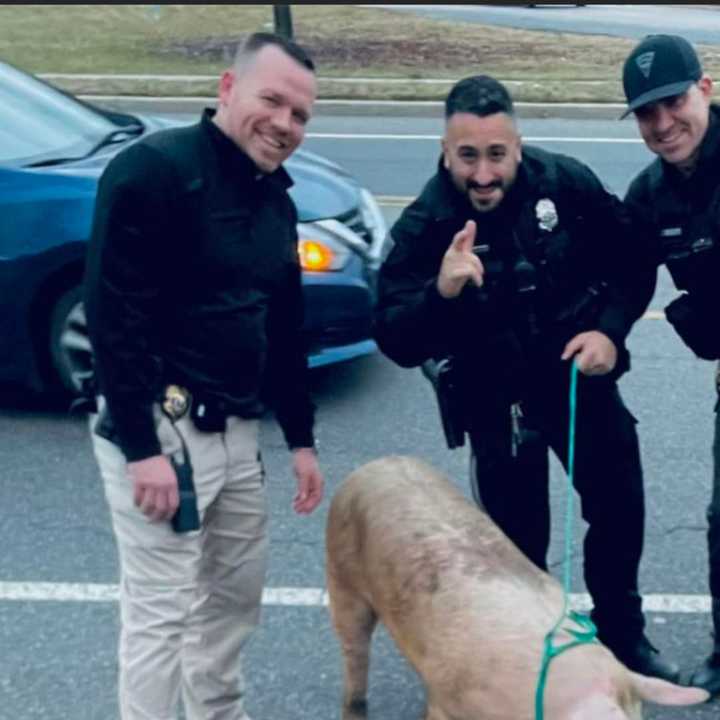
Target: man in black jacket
<point>679,193</point>
<point>194,305</point>
<point>514,261</point>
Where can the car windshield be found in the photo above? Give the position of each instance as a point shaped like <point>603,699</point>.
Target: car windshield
<point>39,123</point>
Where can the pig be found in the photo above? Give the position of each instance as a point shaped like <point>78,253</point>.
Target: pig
<point>466,608</point>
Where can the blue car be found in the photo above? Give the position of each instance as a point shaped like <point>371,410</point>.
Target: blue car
<point>53,148</point>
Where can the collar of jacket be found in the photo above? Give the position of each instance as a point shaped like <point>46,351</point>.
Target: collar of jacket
<point>447,202</point>
<point>232,159</point>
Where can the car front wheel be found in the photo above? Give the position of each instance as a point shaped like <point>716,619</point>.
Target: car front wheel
<point>70,351</point>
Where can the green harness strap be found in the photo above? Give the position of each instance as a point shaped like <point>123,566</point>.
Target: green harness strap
<point>584,630</point>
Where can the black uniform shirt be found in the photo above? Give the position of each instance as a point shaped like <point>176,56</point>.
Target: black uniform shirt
<point>588,243</point>
<point>592,240</point>
<point>193,278</point>
<point>664,195</point>
<point>684,214</point>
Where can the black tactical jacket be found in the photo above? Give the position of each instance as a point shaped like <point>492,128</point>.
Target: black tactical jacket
<point>685,216</point>
<point>193,278</point>
<point>507,336</point>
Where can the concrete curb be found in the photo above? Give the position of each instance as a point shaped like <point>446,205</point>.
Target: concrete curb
<point>386,108</point>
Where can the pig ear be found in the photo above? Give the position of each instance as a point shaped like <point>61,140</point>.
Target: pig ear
<point>597,707</point>
<point>662,692</point>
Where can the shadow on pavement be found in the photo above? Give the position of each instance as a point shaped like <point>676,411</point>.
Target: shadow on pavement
<point>343,380</point>
<point>17,399</point>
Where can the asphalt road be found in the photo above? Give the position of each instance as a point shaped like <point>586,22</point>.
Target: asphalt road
<point>57,657</point>
<point>698,24</point>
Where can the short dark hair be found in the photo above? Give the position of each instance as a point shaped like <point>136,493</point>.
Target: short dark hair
<point>480,95</point>
<point>257,41</point>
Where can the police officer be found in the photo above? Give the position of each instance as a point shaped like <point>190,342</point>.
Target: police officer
<point>514,261</point>
<point>679,192</point>
<point>194,304</point>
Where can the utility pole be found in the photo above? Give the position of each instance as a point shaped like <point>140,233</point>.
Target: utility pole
<point>283,21</point>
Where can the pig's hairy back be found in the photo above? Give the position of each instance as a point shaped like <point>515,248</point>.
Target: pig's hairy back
<point>465,607</point>
<point>401,531</point>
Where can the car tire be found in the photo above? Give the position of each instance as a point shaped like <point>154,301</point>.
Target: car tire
<point>70,351</point>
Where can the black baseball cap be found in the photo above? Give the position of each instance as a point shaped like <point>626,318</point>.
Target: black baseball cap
<point>658,67</point>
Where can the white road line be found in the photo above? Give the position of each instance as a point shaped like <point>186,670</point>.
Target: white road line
<point>97,592</point>
<point>297,596</point>
<point>61,592</point>
<point>531,139</point>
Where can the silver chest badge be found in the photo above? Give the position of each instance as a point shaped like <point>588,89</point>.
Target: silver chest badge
<point>546,214</point>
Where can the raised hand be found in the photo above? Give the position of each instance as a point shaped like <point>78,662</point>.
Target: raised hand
<point>460,264</point>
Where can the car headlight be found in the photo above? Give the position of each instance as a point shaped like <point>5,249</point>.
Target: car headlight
<point>315,255</point>
<point>374,221</point>
<point>320,249</point>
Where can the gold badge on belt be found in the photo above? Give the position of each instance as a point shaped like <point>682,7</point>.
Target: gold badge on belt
<point>176,402</point>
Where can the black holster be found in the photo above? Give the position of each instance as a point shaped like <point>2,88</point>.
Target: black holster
<point>443,377</point>
<point>186,517</point>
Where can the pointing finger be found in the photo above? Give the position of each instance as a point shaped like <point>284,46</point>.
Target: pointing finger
<point>465,239</point>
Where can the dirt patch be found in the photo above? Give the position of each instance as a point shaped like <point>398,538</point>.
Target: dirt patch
<point>351,53</point>
<point>411,57</point>
<point>348,53</point>
<point>209,48</point>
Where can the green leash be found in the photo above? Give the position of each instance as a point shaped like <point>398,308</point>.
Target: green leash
<point>581,627</point>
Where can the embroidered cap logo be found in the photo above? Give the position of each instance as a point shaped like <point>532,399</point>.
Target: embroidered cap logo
<point>644,62</point>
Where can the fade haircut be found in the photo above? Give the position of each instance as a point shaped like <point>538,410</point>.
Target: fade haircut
<point>257,41</point>
<point>480,95</point>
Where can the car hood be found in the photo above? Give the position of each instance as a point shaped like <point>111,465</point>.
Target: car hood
<point>321,189</point>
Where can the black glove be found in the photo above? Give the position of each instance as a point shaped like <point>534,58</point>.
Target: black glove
<point>695,328</point>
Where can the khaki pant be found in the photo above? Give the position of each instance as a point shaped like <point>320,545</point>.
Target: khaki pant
<point>188,602</point>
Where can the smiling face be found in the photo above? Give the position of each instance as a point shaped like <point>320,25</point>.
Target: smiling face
<point>265,104</point>
<point>674,127</point>
<point>482,155</point>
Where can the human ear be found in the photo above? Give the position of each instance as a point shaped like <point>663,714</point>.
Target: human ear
<point>227,80</point>
<point>445,152</point>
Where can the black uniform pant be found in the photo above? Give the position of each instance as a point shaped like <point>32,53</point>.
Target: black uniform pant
<point>514,489</point>
<point>713,514</point>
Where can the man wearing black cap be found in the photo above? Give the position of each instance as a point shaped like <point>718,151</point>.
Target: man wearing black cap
<point>679,193</point>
